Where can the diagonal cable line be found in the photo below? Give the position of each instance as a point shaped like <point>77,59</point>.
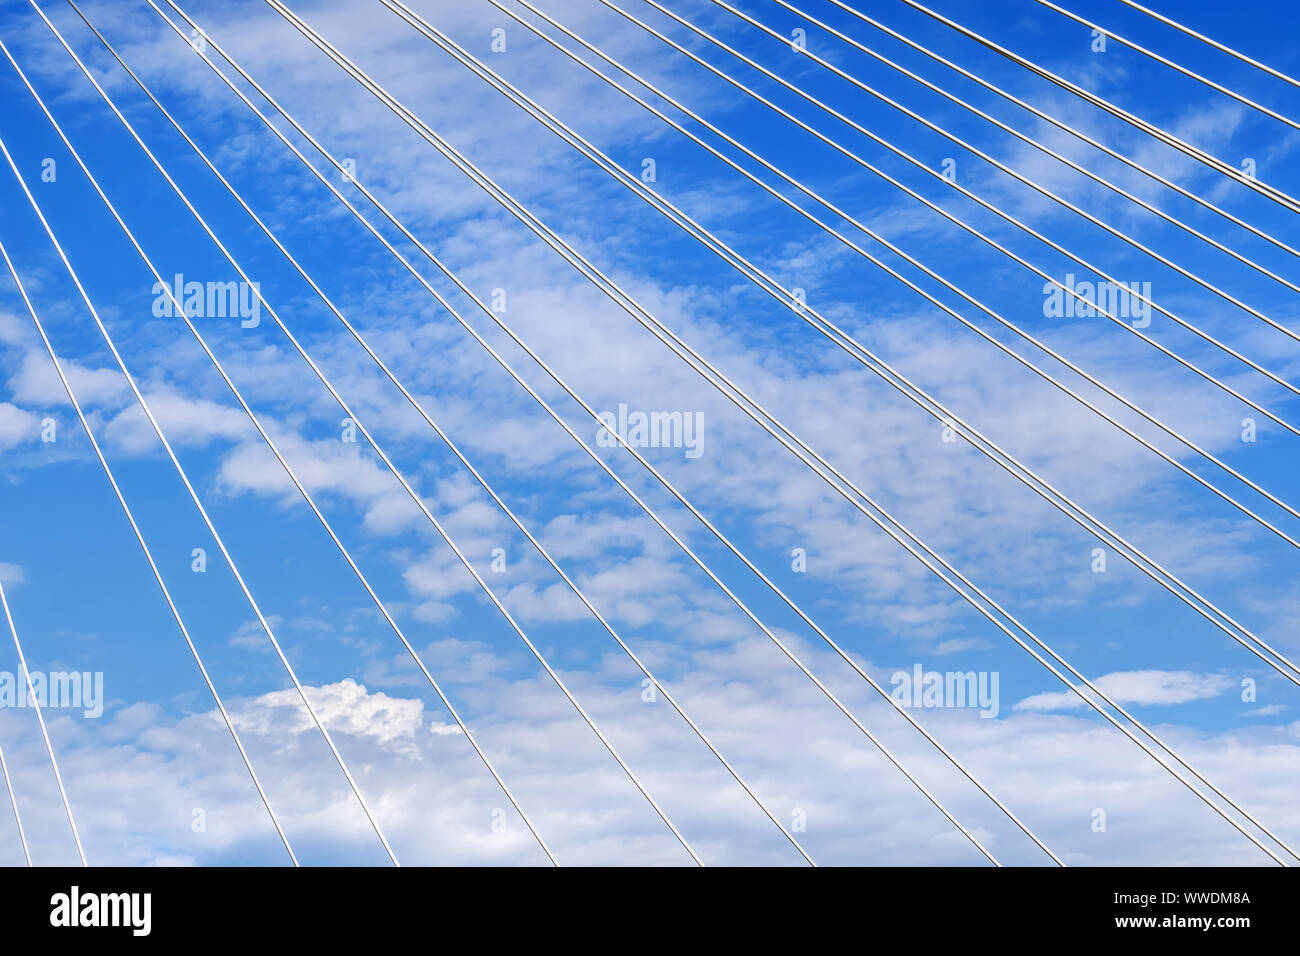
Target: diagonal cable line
<point>419,407</point>
<point>441,433</point>
<point>1137,294</point>
<point>1217,87</point>
<point>13,802</point>
<point>481,70</point>
<point>1182,146</point>
<point>434,139</point>
<point>873,362</point>
<point>1047,150</point>
<point>36,701</point>
<point>320,516</point>
<point>1067,128</point>
<point>596,418</point>
<point>1018,176</point>
<point>148,554</point>
<point>414,495</point>
<point>787,297</point>
<point>382,607</point>
<point>1001,346</point>
<point>139,396</point>
<point>1278,74</point>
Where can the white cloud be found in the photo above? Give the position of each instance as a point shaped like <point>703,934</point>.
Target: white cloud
<point>1138,687</point>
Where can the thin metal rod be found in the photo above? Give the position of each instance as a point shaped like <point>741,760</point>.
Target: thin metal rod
<point>837,335</point>
<point>1187,149</point>
<point>480,69</point>
<point>307,497</point>
<point>1217,87</point>
<point>32,696</point>
<point>153,421</point>
<point>1278,74</point>
<point>542,402</point>
<point>148,555</point>
<point>434,139</point>
<point>1067,128</point>
<point>419,407</point>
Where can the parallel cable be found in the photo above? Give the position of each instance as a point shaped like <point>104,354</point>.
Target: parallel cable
<point>419,407</point>
<point>307,497</point>
<point>951,217</point>
<point>1169,139</point>
<point>447,44</point>
<point>414,495</point>
<point>148,555</point>
<point>848,217</point>
<point>1077,167</point>
<point>180,470</point>
<point>1278,74</point>
<point>1067,128</point>
<point>1137,47</point>
<point>1013,173</point>
<point>434,139</point>
<point>31,691</point>
<point>837,335</point>
<point>1046,150</point>
<point>569,430</point>
<point>13,802</point>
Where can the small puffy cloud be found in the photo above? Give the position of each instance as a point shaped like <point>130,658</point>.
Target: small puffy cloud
<point>344,707</point>
<point>17,425</point>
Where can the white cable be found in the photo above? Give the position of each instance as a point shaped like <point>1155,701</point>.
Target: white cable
<point>1077,167</point>
<point>946,283</point>
<point>1214,43</point>
<point>553,414</point>
<point>850,345</point>
<point>1137,294</point>
<point>36,701</point>
<point>13,801</point>
<point>434,139</point>
<point>1015,174</point>
<point>365,583</point>
<point>180,470</point>
<point>148,554</point>
<point>153,566</point>
<point>1067,128</point>
<point>1244,100</point>
<point>446,439</point>
<point>1200,155</point>
<point>414,495</point>
<point>441,40</point>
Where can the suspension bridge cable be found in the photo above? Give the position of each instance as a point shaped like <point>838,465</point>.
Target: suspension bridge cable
<point>36,701</point>
<point>568,429</point>
<point>433,139</point>
<point>1217,87</point>
<point>139,396</point>
<point>1224,168</point>
<point>1067,128</point>
<point>1278,74</point>
<point>787,298</point>
<point>148,554</point>
<point>419,407</point>
<point>434,34</point>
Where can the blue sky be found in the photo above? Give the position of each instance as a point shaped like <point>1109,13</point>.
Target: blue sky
<point>84,599</point>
